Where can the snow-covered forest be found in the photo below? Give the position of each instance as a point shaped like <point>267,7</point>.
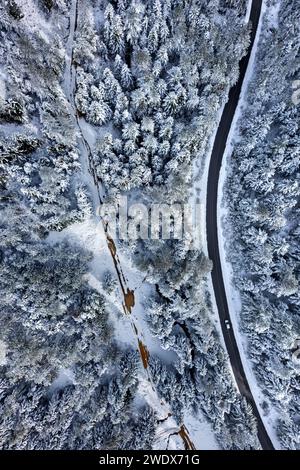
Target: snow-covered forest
<point>107,98</point>
<point>262,194</point>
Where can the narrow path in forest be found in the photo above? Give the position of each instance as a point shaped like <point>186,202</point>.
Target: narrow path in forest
<point>128,302</point>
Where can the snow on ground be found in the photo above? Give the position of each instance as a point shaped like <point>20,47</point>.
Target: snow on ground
<point>68,85</point>
<point>247,16</point>
<point>201,432</point>
<point>8,129</point>
<point>199,196</point>
<point>2,353</point>
<point>99,16</point>
<point>122,327</point>
<point>32,16</point>
<point>166,427</point>
<point>90,235</point>
<point>233,298</point>
<point>134,278</point>
<point>143,290</point>
<point>65,377</point>
<point>91,133</point>
<point>2,86</point>
<point>201,175</point>
<point>272,16</point>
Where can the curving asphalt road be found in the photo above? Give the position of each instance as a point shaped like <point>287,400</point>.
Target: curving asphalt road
<point>212,231</point>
